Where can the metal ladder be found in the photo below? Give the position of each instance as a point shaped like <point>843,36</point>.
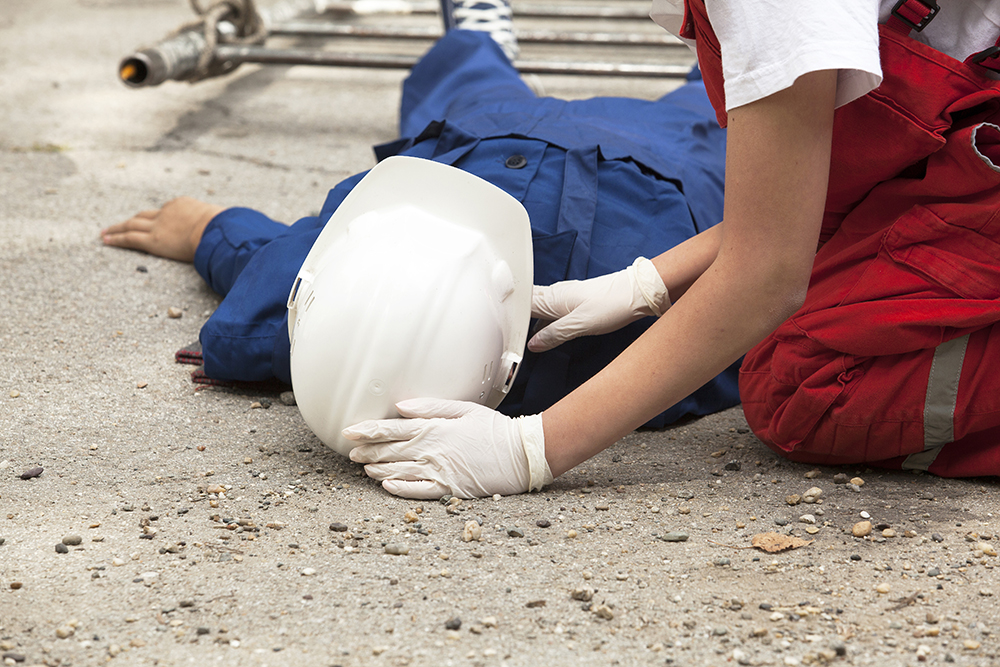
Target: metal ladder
<point>607,39</point>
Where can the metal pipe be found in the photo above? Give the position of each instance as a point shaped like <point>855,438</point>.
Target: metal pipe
<point>365,7</point>
<point>261,55</point>
<point>176,57</point>
<point>304,29</point>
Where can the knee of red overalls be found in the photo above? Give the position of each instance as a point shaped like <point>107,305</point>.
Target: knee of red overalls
<point>936,409</point>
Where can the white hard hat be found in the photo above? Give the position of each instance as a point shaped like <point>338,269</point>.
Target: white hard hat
<point>419,285</point>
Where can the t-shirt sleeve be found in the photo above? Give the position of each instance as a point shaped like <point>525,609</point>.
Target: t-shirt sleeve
<point>768,44</point>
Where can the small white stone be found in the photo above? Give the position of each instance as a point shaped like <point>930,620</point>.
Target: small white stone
<point>309,572</point>
<point>807,518</point>
<point>865,515</point>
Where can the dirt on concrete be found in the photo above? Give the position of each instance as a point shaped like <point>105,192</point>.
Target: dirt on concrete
<point>172,525</point>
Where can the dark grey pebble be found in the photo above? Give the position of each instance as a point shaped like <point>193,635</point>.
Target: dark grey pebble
<point>855,557</point>
<point>515,532</point>
<point>721,562</point>
<point>338,527</point>
<point>16,657</point>
<point>733,465</point>
<point>937,537</point>
<point>444,499</point>
<point>62,548</point>
<point>541,523</point>
<point>766,606</point>
<point>685,495</point>
<point>287,397</point>
<point>948,657</point>
<point>841,478</point>
<point>72,540</point>
<point>453,623</point>
<point>142,269</point>
<point>2,540</point>
<point>839,647</point>
<point>616,458</point>
<point>781,522</point>
<point>265,403</point>
<point>203,630</point>
<point>186,604</point>
<point>933,572</point>
<point>34,472</point>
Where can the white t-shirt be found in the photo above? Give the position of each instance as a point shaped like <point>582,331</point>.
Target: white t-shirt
<point>768,44</point>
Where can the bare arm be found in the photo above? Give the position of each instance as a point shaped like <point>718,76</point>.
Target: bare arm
<point>740,280</point>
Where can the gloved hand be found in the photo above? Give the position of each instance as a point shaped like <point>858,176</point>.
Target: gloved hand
<point>452,447</point>
<point>598,305</point>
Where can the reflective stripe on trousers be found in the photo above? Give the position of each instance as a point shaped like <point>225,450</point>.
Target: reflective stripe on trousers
<point>939,406</point>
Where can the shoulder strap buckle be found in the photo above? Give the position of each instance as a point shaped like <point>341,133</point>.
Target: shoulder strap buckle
<point>915,13</point>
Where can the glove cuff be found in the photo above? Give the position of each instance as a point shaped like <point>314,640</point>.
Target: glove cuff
<point>647,281</point>
<point>533,441</point>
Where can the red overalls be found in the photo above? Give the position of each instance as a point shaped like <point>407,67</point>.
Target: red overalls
<point>894,359</point>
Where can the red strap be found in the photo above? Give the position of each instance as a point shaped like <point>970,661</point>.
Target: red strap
<point>988,58</point>
<point>910,15</point>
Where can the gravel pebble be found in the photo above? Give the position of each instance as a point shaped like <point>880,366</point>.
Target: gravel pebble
<point>174,313</point>
<point>397,549</point>
<point>64,631</point>
<point>72,540</point>
<point>857,481</point>
<point>841,478</point>
<point>338,527</point>
<point>453,623</point>
<point>62,548</point>
<point>604,611</point>
<point>862,528</point>
<point>16,585</point>
<point>472,532</point>
<point>33,472</point>
<point>287,398</point>
<point>543,523</point>
<point>514,531</point>
<point>675,536</point>
<point>812,495</point>
<point>793,499</point>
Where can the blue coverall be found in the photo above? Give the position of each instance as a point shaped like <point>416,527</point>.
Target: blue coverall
<point>603,180</point>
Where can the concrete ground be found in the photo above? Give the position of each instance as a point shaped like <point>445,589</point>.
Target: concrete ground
<point>204,524</point>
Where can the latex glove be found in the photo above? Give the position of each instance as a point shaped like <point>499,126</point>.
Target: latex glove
<point>597,306</point>
<point>452,447</point>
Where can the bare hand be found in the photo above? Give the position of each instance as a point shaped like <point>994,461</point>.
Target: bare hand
<point>173,231</point>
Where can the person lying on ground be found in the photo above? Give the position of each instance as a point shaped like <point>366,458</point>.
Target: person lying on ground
<point>604,181</point>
